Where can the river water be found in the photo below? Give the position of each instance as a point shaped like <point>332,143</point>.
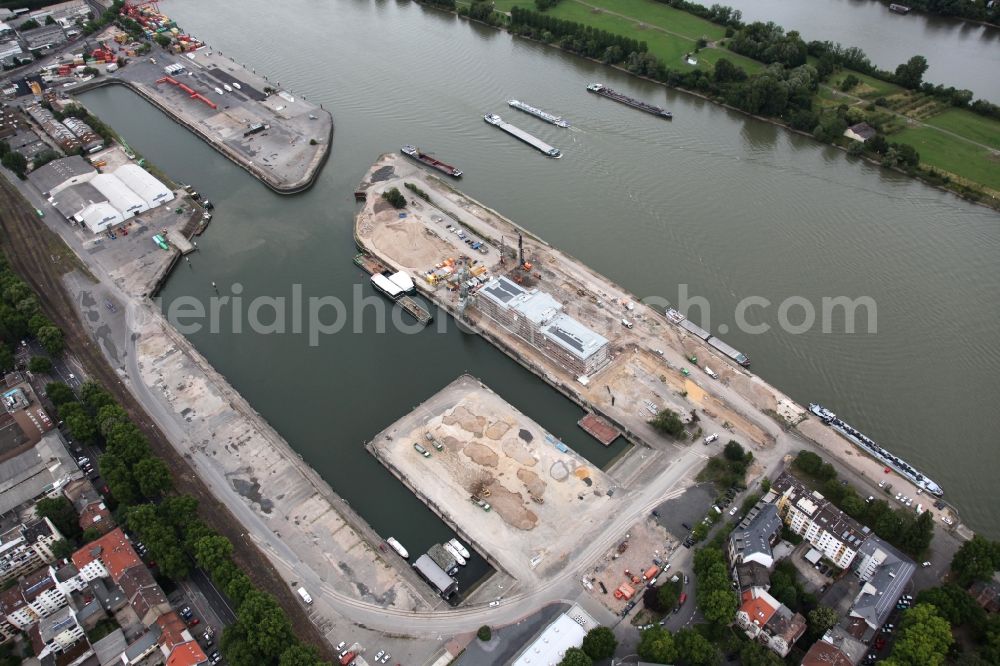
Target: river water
<point>959,53</point>
<point>729,206</point>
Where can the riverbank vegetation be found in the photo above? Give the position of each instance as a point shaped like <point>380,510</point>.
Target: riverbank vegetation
<point>144,499</point>
<point>818,87</point>
<point>911,534</point>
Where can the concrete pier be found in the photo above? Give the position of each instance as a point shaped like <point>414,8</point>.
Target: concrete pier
<point>295,135</point>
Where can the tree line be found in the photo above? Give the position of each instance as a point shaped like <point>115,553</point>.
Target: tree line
<point>21,317</point>
<point>575,37</point>
<point>146,501</point>
<point>911,534</point>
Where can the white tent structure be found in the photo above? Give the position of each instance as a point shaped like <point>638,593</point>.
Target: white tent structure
<point>119,195</point>
<point>99,216</point>
<point>140,181</point>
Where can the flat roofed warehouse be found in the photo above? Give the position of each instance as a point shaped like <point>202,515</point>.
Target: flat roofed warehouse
<point>57,175</point>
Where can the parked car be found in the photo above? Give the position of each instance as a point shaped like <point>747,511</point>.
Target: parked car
<point>711,438</point>
<point>385,657</point>
<point>732,512</point>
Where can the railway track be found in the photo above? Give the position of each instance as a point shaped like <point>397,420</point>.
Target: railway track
<point>41,258</point>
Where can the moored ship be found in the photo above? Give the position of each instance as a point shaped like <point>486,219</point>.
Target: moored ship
<point>533,141</point>
<point>873,449</point>
<point>425,158</point>
<point>398,547</point>
<point>558,121</point>
<point>604,91</point>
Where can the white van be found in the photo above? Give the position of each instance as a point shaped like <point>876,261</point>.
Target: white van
<point>305,595</point>
<point>627,324</point>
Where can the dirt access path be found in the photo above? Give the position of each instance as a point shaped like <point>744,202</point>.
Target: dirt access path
<point>41,258</point>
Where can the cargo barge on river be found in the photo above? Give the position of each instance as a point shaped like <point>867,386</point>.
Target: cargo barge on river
<point>434,163</point>
<point>604,91</point>
<point>869,446</point>
<point>558,121</point>
<point>533,141</point>
<point>737,356</point>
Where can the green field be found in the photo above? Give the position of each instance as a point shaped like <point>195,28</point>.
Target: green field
<point>662,16</point>
<point>955,156</point>
<point>669,48</point>
<point>713,55</point>
<point>643,17</point>
<point>970,125</point>
<point>870,87</point>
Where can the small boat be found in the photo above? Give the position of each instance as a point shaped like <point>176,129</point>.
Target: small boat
<point>237,86</point>
<point>398,547</point>
<point>219,90</point>
<point>454,553</point>
<point>421,450</point>
<point>457,545</point>
<point>227,87</point>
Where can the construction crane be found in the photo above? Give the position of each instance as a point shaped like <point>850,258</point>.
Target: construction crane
<point>463,287</point>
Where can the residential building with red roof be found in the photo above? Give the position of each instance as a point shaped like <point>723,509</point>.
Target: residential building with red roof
<point>111,555</point>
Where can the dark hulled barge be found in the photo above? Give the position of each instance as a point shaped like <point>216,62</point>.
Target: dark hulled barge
<point>604,91</point>
<point>421,156</point>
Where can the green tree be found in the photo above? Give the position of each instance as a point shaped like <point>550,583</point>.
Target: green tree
<point>30,24</point>
<point>62,548</point>
<point>16,162</point>
<point>43,158</point>
<point>267,626</point>
<point>395,198</point>
<point>90,534</point>
<point>977,559</point>
<point>734,452</point>
<point>916,539</point>
<point>955,605</point>
<point>821,618</point>
<point>485,633</point>
<point>162,40</point>
<point>924,638</point>
<point>211,552</point>
<point>40,364</point>
<point>666,596</point>
<point>153,477</point>
<point>59,393</point>
<point>755,654</point>
<point>694,649</point>
<point>576,657</point>
<point>95,396</point>
<point>79,422</point>
<point>911,73</point>
<point>668,422</point>
<point>657,645</point>
<point>300,654</point>
<point>62,514</point>
<point>118,475</point>
<point>600,643</point>
<point>52,339</point>
<point>6,357</point>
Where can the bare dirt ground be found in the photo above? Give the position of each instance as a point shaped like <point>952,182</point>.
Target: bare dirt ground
<point>41,258</point>
<point>645,541</point>
<point>492,451</point>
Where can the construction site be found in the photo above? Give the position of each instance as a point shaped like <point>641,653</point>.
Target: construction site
<point>505,485</point>
<point>577,330</point>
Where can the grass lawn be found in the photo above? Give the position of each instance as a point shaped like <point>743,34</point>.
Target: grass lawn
<point>949,154</point>
<point>713,55</point>
<point>662,16</point>
<point>869,88</point>
<point>669,48</point>
<point>970,125</point>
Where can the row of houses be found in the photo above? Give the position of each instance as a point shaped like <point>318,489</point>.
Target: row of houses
<point>70,133</point>
<point>96,200</point>
<point>52,602</point>
<point>882,572</point>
